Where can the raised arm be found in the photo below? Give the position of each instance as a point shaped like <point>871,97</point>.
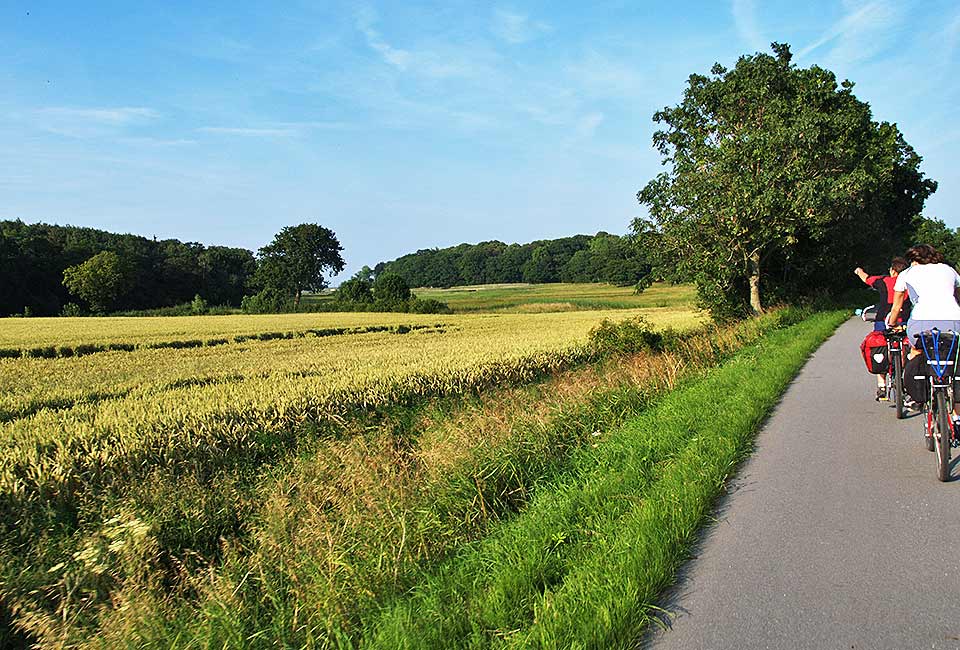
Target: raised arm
<point>860,273</point>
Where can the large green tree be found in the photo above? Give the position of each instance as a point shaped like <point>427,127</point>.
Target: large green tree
<point>777,180</point>
<point>297,259</point>
<point>224,273</point>
<point>390,287</point>
<point>101,281</point>
<point>936,233</point>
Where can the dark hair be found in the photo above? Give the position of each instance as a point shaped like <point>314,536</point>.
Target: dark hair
<point>899,264</point>
<point>924,254</point>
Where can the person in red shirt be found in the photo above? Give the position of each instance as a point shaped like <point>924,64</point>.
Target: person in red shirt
<point>884,285</point>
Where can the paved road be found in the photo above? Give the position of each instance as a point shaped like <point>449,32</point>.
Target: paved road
<point>836,533</point>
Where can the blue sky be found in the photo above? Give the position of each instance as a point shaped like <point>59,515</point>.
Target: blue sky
<point>409,125</point>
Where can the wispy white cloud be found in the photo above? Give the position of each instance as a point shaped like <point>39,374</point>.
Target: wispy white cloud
<point>561,108</point>
<point>516,28</point>
<point>158,142</point>
<point>950,37</point>
<point>275,129</point>
<point>435,60</point>
<point>124,115</point>
<point>600,75</point>
<point>588,124</point>
<point>250,131</point>
<point>89,122</point>
<point>366,19</point>
<point>747,24</point>
<point>858,36</point>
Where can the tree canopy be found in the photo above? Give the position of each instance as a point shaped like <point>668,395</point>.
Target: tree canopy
<point>776,175</point>
<point>297,259</point>
<point>100,281</point>
<point>162,273</point>
<point>581,258</point>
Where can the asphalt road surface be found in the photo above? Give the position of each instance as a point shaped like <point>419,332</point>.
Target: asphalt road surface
<point>835,534</point>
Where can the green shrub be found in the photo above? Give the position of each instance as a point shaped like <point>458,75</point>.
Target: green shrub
<point>428,306</point>
<point>355,290</point>
<point>71,309</point>
<point>390,287</point>
<point>628,336</point>
<point>198,305</point>
<point>267,301</point>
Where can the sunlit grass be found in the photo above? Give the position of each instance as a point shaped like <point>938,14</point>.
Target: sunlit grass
<point>524,298</point>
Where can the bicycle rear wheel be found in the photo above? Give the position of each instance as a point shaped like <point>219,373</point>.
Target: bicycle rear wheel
<point>943,433</point>
<point>898,383</point>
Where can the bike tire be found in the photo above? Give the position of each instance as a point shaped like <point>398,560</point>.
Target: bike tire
<point>943,434</point>
<point>898,384</point>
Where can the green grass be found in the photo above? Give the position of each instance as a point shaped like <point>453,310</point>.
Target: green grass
<point>559,297</point>
<point>584,563</point>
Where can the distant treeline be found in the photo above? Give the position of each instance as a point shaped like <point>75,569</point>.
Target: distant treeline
<point>161,273</point>
<point>582,258</point>
<point>114,273</point>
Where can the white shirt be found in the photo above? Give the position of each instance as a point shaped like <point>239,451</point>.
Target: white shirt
<point>931,288</point>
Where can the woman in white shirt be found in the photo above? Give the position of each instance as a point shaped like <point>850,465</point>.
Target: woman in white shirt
<point>932,286</point>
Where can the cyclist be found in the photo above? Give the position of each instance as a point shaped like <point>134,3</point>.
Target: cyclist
<point>885,287</point>
<point>932,287</point>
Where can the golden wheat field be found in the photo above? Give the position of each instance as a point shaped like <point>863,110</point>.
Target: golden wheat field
<point>77,421</point>
<point>33,332</point>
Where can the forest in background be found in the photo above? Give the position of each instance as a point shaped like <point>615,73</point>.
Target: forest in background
<point>165,273</point>
<point>582,258</point>
<point>160,273</point>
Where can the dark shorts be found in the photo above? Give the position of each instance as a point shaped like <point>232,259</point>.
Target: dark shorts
<point>879,326</point>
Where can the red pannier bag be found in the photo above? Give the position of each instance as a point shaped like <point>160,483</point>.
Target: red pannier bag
<point>875,353</point>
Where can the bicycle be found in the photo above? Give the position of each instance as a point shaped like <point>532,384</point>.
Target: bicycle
<point>939,430</point>
<point>895,392</point>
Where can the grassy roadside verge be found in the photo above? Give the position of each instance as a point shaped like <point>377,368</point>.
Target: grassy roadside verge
<point>582,564</point>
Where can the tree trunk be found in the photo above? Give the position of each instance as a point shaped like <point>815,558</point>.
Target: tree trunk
<point>296,299</point>
<point>755,304</point>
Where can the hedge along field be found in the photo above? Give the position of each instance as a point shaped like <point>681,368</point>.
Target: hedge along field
<point>299,552</point>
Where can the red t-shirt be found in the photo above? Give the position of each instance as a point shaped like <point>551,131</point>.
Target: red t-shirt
<point>884,285</point>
